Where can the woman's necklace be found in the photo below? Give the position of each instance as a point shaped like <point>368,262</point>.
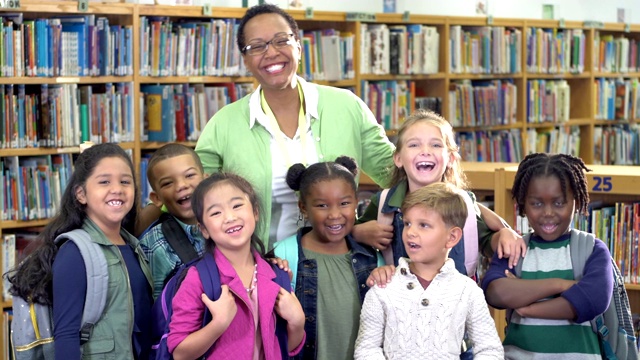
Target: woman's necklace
<point>254,281</point>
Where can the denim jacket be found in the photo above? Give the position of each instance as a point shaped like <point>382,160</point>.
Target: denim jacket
<point>363,260</point>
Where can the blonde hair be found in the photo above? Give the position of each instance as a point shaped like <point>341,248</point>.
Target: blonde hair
<point>453,174</point>
<point>441,197</point>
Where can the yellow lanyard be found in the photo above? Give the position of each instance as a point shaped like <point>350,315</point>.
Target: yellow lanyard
<point>302,128</point>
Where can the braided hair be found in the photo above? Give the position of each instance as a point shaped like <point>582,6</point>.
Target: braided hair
<point>567,168</point>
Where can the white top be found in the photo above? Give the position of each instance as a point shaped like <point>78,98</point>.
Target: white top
<point>405,321</point>
<point>284,202</point>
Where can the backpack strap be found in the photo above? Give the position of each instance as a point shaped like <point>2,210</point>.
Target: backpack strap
<point>581,247</point>
<point>282,279</point>
<point>95,264</point>
<point>210,278</point>
<point>288,249</point>
<point>177,238</point>
<point>470,236</point>
<point>385,219</point>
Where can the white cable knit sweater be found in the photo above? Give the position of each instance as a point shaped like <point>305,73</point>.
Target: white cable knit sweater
<point>404,321</point>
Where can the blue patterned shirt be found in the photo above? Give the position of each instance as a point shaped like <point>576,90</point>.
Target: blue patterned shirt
<point>162,258</point>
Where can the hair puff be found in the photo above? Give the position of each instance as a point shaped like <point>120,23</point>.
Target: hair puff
<point>294,176</point>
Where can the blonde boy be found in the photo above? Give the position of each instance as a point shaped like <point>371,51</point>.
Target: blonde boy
<point>174,171</point>
<point>424,312</point>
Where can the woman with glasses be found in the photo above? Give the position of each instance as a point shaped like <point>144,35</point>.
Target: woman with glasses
<point>287,120</point>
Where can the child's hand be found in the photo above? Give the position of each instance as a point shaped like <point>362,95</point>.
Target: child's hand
<point>282,264</point>
<point>523,311</point>
<point>373,234</point>
<point>222,310</point>
<point>289,308</point>
<point>381,276</point>
<point>510,245</point>
<point>510,275</point>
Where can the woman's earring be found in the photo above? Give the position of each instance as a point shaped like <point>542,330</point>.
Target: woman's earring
<point>300,221</point>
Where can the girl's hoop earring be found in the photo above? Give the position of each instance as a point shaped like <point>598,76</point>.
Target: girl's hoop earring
<point>300,221</point>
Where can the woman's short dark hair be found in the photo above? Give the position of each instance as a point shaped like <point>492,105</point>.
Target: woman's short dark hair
<point>260,10</point>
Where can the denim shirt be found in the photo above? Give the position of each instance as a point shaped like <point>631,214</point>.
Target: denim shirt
<point>363,261</point>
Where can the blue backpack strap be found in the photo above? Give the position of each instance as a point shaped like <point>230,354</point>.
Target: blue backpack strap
<point>210,278</point>
<point>95,265</point>
<point>282,279</point>
<point>288,249</point>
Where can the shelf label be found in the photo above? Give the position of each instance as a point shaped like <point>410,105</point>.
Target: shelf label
<point>561,23</point>
<point>360,16</point>
<point>207,10</point>
<point>308,13</point>
<point>405,16</point>
<point>603,184</point>
<point>67,80</point>
<point>11,4</point>
<point>627,27</point>
<point>83,5</point>
<point>196,79</point>
<point>489,19</point>
<point>593,24</point>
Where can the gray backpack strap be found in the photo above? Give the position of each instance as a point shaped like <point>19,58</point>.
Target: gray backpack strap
<point>581,247</point>
<point>518,268</point>
<point>97,278</point>
<point>385,219</point>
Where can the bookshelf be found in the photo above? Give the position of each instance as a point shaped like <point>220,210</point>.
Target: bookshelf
<point>437,82</point>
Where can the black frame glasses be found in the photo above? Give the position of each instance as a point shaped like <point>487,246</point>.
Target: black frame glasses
<point>261,47</point>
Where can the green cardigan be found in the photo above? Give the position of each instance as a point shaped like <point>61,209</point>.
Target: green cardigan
<point>341,125</point>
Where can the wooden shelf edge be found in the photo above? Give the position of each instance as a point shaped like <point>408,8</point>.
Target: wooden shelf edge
<point>36,80</point>
<point>194,79</point>
<point>18,224</point>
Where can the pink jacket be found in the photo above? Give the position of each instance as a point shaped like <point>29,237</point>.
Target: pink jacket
<point>237,341</point>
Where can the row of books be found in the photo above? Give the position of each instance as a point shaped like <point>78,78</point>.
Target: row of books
<point>399,49</point>
<point>64,46</point>
<point>180,112</point>
<point>490,146</point>
<point>548,101</point>
<point>65,115</point>
<point>189,48</point>
<point>555,51</point>
<point>327,55</point>
<point>617,99</point>
<point>32,186</point>
<point>558,140</point>
<point>390,101</point>
<point>475,103</point>
<point>615,54</point>
<point>485,50</point>
<point>616,145</point>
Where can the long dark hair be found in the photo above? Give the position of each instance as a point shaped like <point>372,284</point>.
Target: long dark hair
<point>31,279</point>
<point>237,181</point>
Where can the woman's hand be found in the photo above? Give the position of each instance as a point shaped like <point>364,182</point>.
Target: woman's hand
<point>510,245</point>
<point>381,276</point>
<point>373,234</point>
<point>222,310</point>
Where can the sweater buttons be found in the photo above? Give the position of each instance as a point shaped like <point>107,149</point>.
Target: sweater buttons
<point>425,302</point>
<point>355,261</point>
<point>410,286</point>
<point>403,271</point>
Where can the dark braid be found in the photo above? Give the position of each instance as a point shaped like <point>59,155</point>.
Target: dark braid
<point>567,168</point>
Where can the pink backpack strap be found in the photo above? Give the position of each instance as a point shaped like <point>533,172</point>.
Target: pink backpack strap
<point>385,219</point>
<point>470,233</point>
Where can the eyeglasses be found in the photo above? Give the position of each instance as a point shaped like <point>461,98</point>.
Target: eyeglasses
<point>260,47</point>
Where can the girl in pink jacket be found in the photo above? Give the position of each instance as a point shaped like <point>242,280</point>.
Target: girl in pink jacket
<point>243,324</point>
